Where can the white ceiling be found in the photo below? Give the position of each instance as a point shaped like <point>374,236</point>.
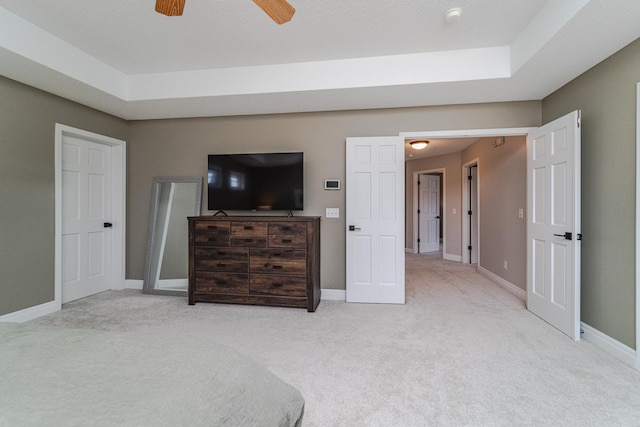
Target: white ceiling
<point>228,58</point>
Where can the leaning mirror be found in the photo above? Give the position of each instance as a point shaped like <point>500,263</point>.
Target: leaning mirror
<point>173,199</point>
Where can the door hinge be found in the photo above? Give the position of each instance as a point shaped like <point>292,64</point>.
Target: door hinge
<point>469,247</point>
<point>418,240</point>
<point>418,210</point>
<point>579,236</point>
<point>470,177</point>
<point>418,182</point>
<point>579,119</point>
<point>470,212</point>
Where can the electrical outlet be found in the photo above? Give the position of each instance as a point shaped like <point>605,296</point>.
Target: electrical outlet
<point>505,265</point>
<point>520,213</point>
<point>333,213</point>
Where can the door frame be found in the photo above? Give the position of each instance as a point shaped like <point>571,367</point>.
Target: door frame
<point>462,133</point>
<point>415,216</point>
<point>465,208</point>
<point>118,204</point>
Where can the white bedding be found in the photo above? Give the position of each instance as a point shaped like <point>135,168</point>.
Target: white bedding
<point>73,377</point>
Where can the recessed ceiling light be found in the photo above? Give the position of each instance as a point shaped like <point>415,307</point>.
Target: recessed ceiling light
<point>453,14</point>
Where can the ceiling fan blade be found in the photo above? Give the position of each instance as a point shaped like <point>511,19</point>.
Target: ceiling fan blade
<point>279,10</point>
<point>170,7</point>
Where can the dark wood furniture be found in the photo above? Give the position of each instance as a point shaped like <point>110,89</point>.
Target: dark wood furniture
<point>255,260</point>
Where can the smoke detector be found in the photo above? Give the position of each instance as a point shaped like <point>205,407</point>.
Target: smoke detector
<point>453,14</point>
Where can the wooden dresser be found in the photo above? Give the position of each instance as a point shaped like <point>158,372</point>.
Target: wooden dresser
<point>255,260</point>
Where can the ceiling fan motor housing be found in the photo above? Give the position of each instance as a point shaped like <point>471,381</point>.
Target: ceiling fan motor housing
<point>170,7</point>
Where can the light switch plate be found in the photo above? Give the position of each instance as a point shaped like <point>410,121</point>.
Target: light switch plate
<point>333,213</point>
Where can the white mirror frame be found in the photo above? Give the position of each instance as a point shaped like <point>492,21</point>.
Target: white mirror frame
<point>153,264</point>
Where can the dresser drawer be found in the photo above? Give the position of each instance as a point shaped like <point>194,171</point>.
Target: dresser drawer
<point>287,241</point>
<point>241,229</point>
<point>249,242</point>
<point>280,261</point>
<point>222,259</point>
<point>212,233</point>
<point>271,284</point>
<point>287,228</point>
<point>206,281</point>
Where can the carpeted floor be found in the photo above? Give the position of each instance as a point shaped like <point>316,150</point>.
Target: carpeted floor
<point>461,351</point>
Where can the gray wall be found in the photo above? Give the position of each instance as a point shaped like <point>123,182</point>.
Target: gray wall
<point>27,125</point>
<point>502,173</point>
<point>180,147</point>
<point>606,94</point>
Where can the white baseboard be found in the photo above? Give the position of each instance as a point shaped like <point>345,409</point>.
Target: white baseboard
<point>620,351</point>
<point>510,287</point>
<point>133,284</point>
<point>333,294</point>
<point>409,250</point>
<point>450,257</point>
<point>31,313</point>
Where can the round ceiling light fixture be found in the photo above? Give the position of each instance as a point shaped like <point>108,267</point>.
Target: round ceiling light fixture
<point>419,144</point>
<point>453,14</point>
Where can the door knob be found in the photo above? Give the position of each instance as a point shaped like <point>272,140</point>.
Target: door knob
<point>108,225</point>
<point>353,228</point>
<point>567,235</point>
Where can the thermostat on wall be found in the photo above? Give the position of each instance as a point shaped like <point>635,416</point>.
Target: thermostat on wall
<point>331,184</point>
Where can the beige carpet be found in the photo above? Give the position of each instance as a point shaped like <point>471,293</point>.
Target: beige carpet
<point>461,351</point>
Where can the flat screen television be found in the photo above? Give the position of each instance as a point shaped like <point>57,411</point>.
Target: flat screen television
<point>256,182</point>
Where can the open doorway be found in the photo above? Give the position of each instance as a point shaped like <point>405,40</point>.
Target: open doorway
<point>428,219</point>
<point>430,228</point>
<point>471,211</point>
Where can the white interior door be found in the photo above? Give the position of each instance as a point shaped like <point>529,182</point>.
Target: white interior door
<point>375,219</point>
<point>429,213</point>
<point>553,232</point>
<point>86,215</point>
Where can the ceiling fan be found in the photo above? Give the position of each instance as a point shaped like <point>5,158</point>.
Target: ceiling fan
<point>279,10</point>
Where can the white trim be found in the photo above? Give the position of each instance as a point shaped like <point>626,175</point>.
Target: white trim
<point>508,286</point>
<point>118,205</point>
<point>133,284</point>
<point>333,294</point>
<point>465,208</point>
<point>451,257</point>
<point>31,313</point>
<point>620,351</point>
<point>467,133</point>
<point>637,225</point>
<point>414,214</point>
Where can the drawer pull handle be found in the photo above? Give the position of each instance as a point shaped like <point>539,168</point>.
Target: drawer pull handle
<point>248,240</point>
<point>276,285</point>
<point>221,264</point>
<point>286,240</point>
<point>212,227</point>
<point>286,228</point>
<point>211,239</point>
<point>222,253</point>
<point>277,267</point>
<point>248,227</point>
<point>222,282</point>
<point>276,254</point>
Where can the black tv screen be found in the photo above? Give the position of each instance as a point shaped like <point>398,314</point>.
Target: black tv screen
<point>258,182</point>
